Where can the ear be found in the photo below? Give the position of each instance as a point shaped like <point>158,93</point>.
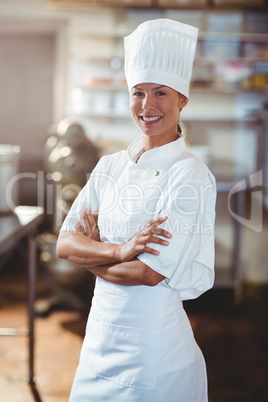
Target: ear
<point>182,101</point>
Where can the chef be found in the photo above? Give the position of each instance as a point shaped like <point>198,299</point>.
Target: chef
<point>144,225</point>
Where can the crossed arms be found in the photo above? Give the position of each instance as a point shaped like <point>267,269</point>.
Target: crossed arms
<point>116,263</point>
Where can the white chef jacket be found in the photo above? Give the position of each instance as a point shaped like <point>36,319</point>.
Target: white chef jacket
<point>139,345</point>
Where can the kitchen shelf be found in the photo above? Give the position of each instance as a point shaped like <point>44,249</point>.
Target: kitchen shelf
<point>221,118</point>
<point>111,87</point>
<point>121,33</point>
<point>225,90</point>
<point>238,3</point>
<point>243,36</point>
<point>129,3</point>
<point>182,3</point>
<point>214,5</point>
<point>205,38</point>
<point>113,34</point>
<point>94,59</point>
<point>213,61</point>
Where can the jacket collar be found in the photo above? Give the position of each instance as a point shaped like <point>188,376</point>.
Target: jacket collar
<point>168,151</point>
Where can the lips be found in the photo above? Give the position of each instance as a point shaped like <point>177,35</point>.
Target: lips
<point>149,119</point>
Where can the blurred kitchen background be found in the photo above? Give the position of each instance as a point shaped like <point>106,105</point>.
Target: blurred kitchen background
<point>64,104</point>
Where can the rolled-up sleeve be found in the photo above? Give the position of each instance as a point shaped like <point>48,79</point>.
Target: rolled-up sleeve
<point>188,261</point>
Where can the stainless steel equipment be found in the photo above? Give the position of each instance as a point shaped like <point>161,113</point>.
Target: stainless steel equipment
<point>9,169</point>
<point>69,158</point>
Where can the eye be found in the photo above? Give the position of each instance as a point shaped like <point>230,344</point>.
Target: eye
<point>160,93</point>
<point>137,93</point>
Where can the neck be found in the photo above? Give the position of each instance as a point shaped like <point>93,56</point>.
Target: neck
<point>155,142</point>
<point>139,154</point>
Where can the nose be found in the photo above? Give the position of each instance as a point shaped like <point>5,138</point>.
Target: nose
<point>148,102</point>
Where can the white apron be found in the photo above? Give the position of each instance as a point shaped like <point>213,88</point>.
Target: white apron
<point>139,346</point>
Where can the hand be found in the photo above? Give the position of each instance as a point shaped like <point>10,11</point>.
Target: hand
<point>138,243</point>
<point>89,226</point>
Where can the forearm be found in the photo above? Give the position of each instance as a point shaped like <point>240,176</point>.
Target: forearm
<point>113,262</point>
<point>129,273</point>
<point>84,251</point>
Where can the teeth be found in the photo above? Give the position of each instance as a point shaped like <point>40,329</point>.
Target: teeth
<point>150,118</point>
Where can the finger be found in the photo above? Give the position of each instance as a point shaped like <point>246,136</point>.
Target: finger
<point>156,221</point>
<point>96,216</point>
<point>157,231</point>
<point>156,240</point>
<point>91,219</point>
<point>79,227</point>
<point>149,250</point>
<point>161,232</point>
<point>85,223</point>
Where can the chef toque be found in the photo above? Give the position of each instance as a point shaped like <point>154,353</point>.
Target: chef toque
<point>161,51</point>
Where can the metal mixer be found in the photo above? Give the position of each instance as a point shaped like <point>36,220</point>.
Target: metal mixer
<point>69,158</point>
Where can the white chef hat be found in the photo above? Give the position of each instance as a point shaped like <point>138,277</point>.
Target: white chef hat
<point>161,51</point>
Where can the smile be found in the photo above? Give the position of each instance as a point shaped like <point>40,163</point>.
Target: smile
<point>148,119</point>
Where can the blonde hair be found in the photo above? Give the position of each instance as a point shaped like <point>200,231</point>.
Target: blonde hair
<point>181,133</point>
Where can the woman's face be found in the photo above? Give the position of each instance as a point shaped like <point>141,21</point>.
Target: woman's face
<point>155,110</point>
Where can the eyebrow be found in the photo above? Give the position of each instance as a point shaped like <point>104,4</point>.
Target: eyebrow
<point>161,86</point>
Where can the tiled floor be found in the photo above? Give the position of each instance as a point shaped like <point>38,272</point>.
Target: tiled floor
<point>233,340</point>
